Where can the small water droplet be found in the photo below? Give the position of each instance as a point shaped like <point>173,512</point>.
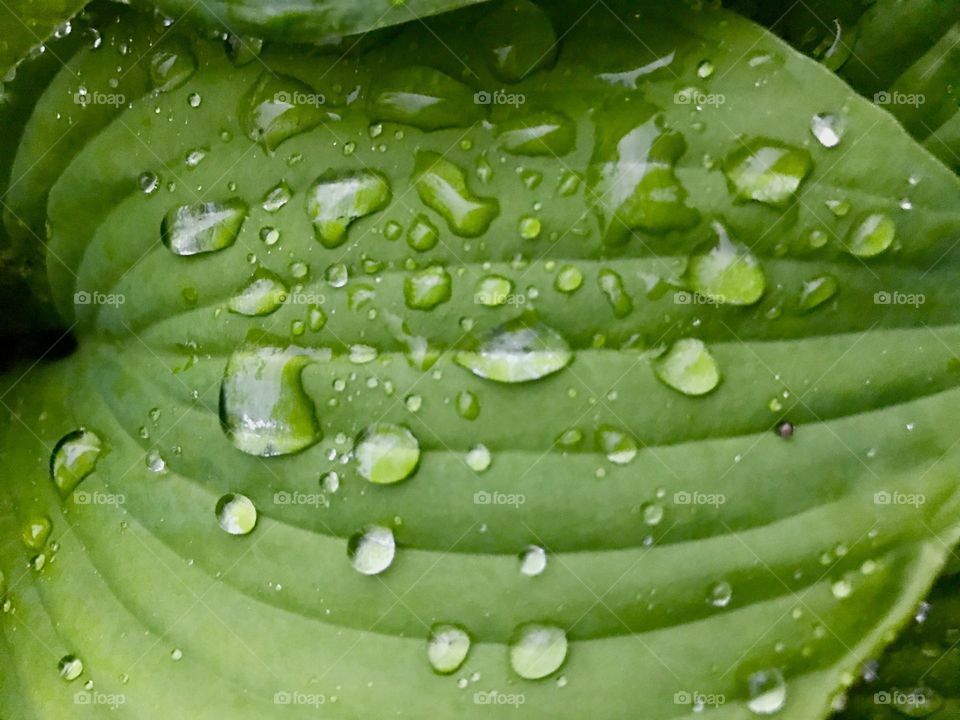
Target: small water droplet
<point>478,458</point>
<point>537,651</point>
<point>533,561</point>
<point>447,647</point>
<point>372,550</point>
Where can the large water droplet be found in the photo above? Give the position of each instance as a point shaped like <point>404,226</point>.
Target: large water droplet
<point>817,291</point>
<point>172,65</point>
<point>276,197</point>
<point>424,98</point>
<point>518,38</point>
<point>766,170</point>
<point>236,514</point>
<point>204,227</point>
<point>262,295</point>
<point>632,171</point>
<point>372,549</point>
<point>468,405</point>
<point>447,647</point>
<point>442,186</point>
<point>278,107</point>
<point>541,133</point>
<point>871,236</point>
<point>337,198</point>
<point>478,458</point>
<point>767,692</point>
<point>517,351</point>
<point>387,453</point>
<point>74,457</point>
<point>427,288</point>
<point>728,273</point>
<point>688,367</point>
<point>263,407</point>
<point>537,651</point>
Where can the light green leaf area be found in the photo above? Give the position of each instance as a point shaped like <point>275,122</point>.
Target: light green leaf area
<point>700,557</point>
<point>26,24</point>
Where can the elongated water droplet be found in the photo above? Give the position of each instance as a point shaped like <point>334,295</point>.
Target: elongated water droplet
<point>371,551</point>
<point>728,273</point>
<point>688,367</point>
<point>242,50</point>
<point>236,514</point>
<point>766,170</point>
<point>427,288</point>
<point>337,198</point>
<point>767,692</point>
<point>817,291</point>
<point>204,227</point>
<point>74,457</point>
<point>537,651</point>
<point>518,38</point>
<point>442,186</point>
<point>517,351</point>
<point>447,647</point>
<point>611,285</point>
<point>263,408</point>
<point>827,129</point>
<point>387,453</point>
<point>278,107</point>
<point>172,65</point>
<point>276,197</point>
<point>619,447</point>
<point>871,236</point>
<point>36,531</point>
<point>262,295</point>
<point>424,98</point>
<point>541,133</point>
<point>533,561</point>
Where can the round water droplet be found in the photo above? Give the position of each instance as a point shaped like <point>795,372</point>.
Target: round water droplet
<point>478,458</point>
<point>70,667</point>
<point>720,594</point>
<point>263,294</point>
<point>236,514</point>
<point>785,429</point>
<point>817,291</point>
<point>729,273</point>
<point>517,351</point>
<point>537,651</point>
<point>387,453</point>
<point>371,551</point>
<point>619,447</point>
<point>155,462</point>
<point>74,457</point>
<point>423,235</point>
<point>569,279</point>
<point>149,182</point>
<point>689,367</point>
<point>447,648</point>
<point>871,236</point>
<point>468,405</point>
<point>493,291</point>
<point>36,531</point>
<point>529,227</point>
<point>533,561</point>
<point>767,692</point>
<point>276,197</point>
<point>827,129</point>
<point>705,69</point>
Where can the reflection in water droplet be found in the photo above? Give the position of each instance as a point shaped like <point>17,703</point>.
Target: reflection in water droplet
<point>728,273</point>
<point>278,107</point>
<point>423,234</point>
<point>337,198</point>
<point>387,453</point>
<point>720,594</point>
<point>542,133</point>
<point>424,98</point>
<point>70,667</point>
<point>537,651</point>
<point>371,551</point>
<point>74,457</point>
<point>276,197</point>
<point>688,367</point>
<point>442,186</point>
<point>493,291</point>
<point>468,405</point>
<point>817,291</point>
<point>871,236</point>
<point>262,295</point>
<point>427,288</point>
<point>767,692</point>
<point>616,444</point>
<point>827,129</point>
<point>36,531</point>
<point>766,170</point>
<point>447,647</point>
<point>533,561</point>
<point>236,514</point>
<point>517,351</point>
<point>204,227</point>
<point>569,279</point>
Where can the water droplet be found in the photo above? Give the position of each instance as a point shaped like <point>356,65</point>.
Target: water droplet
<point>177,654</point>
<point>338,198</point>
<point>74,457</point>
<point>478,458</point>
<point>533,561</point>
<point>705,69</point>
<point>172,65</point>
<point>871,236</point>
<point>719,594</point>
<point>427,288</point>
<point>537,651</point>
<point>263,408</point>
<point>517,351</point>
<point>616,444</point>
<point>840,208</point>
<point>371,551</point>
<point>652,513</point>
<point>468,405</point>
<point>493,291</point>
<point>423,234</point>
<point>518,38</point>
<point>276,197</point>
<point>688,367</point>
<point>447,648</point>
<point>242,50</point>
<point>149,182</point>
<point>262,295</point>
<point>387,453</point>
<point>529,227</point>
<point>424,98</point>
<point>316,318</point>
<point>70,667</point>
<point>611,285</point>
<point>817,291</point>
<point>728,273</point>
<point>841,589</point>
<point>827,129</point>
<point>203,227</point>
<point>767,692</point>
<point>785,429</point>
<point>766,170</point>
<point>36,531</point>
<point>155,462</point>
<point>542,133</point>
<point>569,279</point>
<point>442,186</point>
<point>236,514</point>
<point>278,107</point>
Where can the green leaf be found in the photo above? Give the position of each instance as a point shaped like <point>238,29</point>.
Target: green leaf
<point>286,507</point>
<point>26,24</point>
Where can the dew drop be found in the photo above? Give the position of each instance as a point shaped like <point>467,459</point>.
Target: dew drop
<point>70,667</point>
<point>537,651</point>
<point>517,351</point>
<point>371,551</point>
<point>338,198</point>
<point>447,647</point>
<point>204,227</point>
<point>74,457</point>
<point>688,367</point>
<point>767,692</point>
<point>478,458</point>
<point>533,561</point>
<point>387,453</point>
<point>826,128</point>
<point>236,514</point>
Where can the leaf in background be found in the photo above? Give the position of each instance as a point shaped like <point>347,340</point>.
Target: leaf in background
<point>27,24</point>
<point>564,408</point>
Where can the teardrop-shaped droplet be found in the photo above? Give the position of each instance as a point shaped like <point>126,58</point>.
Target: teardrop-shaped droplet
<point>276,197</point>
<point>278,107</point>
<point>427,288</point>
<point>242,50</point>
<point>468,405</point>
<point>262,295</point>
<point>204,227</point>
<point>631,173</point>
<point>518,38</point>
<point>387,453</point>
<point>766,170</point>
<point>517,351</point>
<point>871,236</point>
<point>36,531</point>
<point>541,133</point>
<point>74,457</point>
<point>423,234</point>
<point>172,65</point>
<point>338,198</point>
<point>817,291</point>
<point>442,186</point>
<point>533,561</point>
<point>688,367</point>
<point>728,273</point>
<point>537,651</point>
<point>447,647</point>
<point>424,98</point>
<point>263,407</point>
<point>617,444</point>
<point>827,129</point>
<point>371,551</point>
<point>236,514</point>
<point>70,667</point>
<point>767,691</point>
